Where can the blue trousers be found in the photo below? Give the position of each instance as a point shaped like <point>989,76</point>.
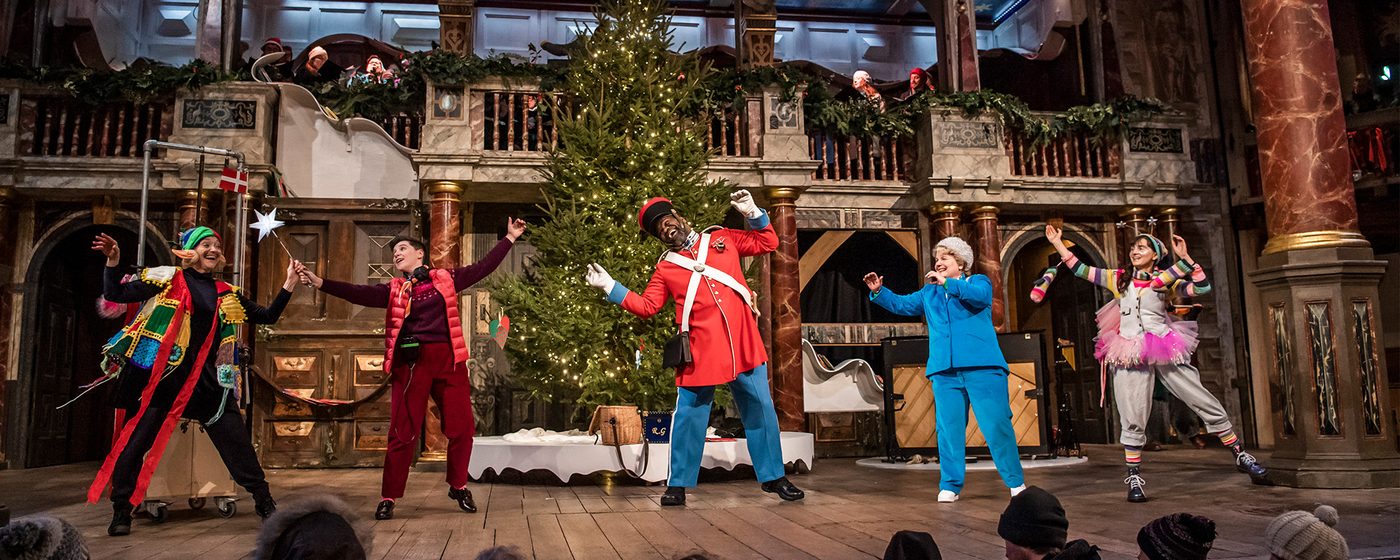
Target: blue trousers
<point>985,390</point>
<point>692,418</point>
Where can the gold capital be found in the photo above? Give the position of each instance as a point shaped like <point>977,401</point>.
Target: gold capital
<point>451,188</point>
<point>1314,240</point>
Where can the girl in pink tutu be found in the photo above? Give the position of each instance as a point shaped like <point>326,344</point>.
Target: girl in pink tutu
<point>1141,340</point>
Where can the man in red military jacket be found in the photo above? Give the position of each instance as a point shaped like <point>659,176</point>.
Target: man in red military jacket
<point>426,355</point>
<point>702,271</point>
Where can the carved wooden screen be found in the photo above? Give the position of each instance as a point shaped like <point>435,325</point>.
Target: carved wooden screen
<point>325,347</point>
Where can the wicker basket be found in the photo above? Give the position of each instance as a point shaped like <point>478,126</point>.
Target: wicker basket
<point>619,425</point>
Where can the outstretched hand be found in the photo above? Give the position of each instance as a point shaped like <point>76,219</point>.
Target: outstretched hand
<point>307,277</point>
<point>1179,247</point>
<point>106,245</point>
<point>1054,235</point>
<point>292,277</point>
<point>599,278</point>
<point>515,227</point>
<point>874,282</point>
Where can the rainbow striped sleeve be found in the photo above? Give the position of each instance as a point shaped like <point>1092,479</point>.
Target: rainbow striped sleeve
<point>1102,277</point>
<point>1185,279</point>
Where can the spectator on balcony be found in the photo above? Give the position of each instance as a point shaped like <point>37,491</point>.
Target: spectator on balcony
<point>281,70</point>
<point>375,72</point>
<point>919,82</point>
<point>1363,95</point>
<point>862,83</point>
<point>318,69</point>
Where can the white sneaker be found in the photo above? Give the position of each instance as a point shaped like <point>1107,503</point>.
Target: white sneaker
<point>1017,490</point>
<point>947,496</point>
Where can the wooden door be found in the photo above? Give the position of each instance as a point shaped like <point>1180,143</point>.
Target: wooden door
<point>324,347</point>
<point>1073,303</point>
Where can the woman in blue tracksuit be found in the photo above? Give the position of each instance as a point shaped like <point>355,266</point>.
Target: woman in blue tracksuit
<point>965,364</point>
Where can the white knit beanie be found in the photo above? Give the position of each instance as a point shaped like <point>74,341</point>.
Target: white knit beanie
<point>1299,535</point>
<point>959,248</point>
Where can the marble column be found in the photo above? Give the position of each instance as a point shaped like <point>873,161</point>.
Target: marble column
<point>785,365</point>
<point>455,25</point>
<point>1317,277</point>
<point>984,220</point>
<point>7,256</point>
<point>757,27</point>
<point>194,210</point>
<point>944,220</point>
<point>444,251</point>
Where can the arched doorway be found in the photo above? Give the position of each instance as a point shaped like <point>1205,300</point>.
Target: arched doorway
<point>62,337</point>
<point>1067,317</point>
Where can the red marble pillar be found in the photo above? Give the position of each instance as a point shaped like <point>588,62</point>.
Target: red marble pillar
<point>444,251</point>
<point>944,220</point>
<point>785,366</point>
<point>969,74</point>
<point>1318,278</point>
<point>984,219</point>
<point>7,255</point>
<point>1303,156</point>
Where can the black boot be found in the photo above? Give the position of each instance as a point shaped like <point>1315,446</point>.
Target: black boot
<point>674,496</point>
<point>1135,483</point>
<point>121,519</point>
<point>265,507</point>
<point>385,510</point>
<point>784,489</point>
<point>1247,464</point>
<point>464,499</point>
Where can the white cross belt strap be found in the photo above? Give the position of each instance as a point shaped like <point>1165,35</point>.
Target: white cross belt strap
<point>698,269</point>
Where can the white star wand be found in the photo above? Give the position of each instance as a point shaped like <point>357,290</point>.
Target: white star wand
<point>268,223</point>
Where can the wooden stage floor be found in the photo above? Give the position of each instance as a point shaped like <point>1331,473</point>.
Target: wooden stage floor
<point>850,512</point>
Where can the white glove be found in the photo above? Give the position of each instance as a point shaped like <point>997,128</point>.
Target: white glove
<point>742,201</point>
<point>599,278</point>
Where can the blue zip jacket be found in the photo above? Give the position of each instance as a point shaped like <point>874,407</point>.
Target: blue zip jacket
<point>959,317</point>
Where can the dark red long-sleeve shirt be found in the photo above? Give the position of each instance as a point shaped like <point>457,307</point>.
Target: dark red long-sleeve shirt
<point>427,315</point>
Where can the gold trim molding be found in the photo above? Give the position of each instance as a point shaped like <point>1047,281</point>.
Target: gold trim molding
<point>1314,240</point>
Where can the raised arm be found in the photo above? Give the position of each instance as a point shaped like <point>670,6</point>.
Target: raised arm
<point>464,277</point>
<point>910,305</point>
<point>760,238</point>
<point>373,295</point>
<point>113,289</point>
<point>1185,278</point>
<point>645,305</point>
<point>1101,277</point>
<point>260,315</point>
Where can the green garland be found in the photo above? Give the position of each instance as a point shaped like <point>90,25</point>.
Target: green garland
<point>139,83</point>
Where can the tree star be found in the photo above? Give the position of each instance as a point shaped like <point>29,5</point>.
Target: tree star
<point>267,223</point>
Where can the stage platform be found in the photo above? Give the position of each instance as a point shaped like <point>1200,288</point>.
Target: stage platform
<point>580,456</point>
<point>850,512</point>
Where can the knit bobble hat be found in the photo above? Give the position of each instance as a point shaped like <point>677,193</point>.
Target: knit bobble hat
<point>41,537</point>
<point>960,249</point>
<point>1034,519</point>
<point>1299,535</point>
<point>1179,536</point>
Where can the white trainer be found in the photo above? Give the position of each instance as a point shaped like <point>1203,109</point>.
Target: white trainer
<point>1017,490</point>
<point>947,496</point>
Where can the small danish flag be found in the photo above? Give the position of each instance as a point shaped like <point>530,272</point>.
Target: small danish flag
<point>234,180</point>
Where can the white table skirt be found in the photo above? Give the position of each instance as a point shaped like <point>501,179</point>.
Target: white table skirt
<point>567,459</point>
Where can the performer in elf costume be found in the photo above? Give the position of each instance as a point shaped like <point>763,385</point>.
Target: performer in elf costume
<point>176,359</point>
<point>717,318</point>
<point>965,364</point>
<point>1141,340</point>
<point>425,354</point>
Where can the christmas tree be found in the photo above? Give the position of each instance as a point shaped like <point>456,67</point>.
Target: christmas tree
<point>627,132</point>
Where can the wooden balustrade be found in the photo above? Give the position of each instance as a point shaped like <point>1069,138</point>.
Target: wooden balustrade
<point>851,158</point>
<point>736,133</point>
<point>53,126</point>
<point>516,121</point>
<point>1076,155</point>
<point>405,129</point>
